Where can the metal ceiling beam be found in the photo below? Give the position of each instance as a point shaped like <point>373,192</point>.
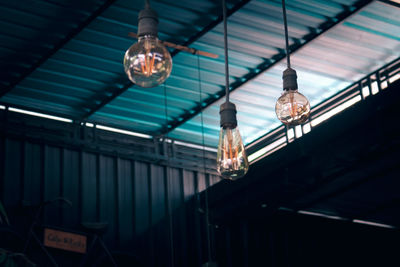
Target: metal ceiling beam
<point>393,3</point>
<point>118,91</point>
<point>329,24</point>
<point>58,46</point>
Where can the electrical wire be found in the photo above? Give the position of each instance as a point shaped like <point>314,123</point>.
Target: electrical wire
<point>171,230</point>
<point>226,50</point>
<point>204,165</point>
<point>147,4</point>
<point>286,33</point>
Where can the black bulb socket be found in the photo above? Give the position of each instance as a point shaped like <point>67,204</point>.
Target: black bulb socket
<point>147,22</point>
<point>289,79</point>
<point>227,112</point>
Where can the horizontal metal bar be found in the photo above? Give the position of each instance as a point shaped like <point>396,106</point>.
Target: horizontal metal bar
<point>391,2</point>
<point>90,139</point>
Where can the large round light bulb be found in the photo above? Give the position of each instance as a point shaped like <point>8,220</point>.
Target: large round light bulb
<point>147,62</point>
<point>292,108</point>
<point>232,160</point>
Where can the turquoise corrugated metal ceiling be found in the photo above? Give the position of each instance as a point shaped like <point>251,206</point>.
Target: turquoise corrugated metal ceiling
<point>64,58</point>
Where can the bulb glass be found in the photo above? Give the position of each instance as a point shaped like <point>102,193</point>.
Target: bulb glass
<point>232,162</point>
<point>147,62</point>
<point>292,108</point>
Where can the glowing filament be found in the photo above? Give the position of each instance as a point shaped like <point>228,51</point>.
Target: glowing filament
<point>147,64</point>
<point>293,106</point>
<point>231,160</point>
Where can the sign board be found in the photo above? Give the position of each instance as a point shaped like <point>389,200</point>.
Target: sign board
<point>64,240</point>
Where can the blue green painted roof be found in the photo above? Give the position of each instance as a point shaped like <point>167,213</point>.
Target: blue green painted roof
<point>64,58</point>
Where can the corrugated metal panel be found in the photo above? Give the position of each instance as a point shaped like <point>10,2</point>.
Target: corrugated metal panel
<point>334,60</point>
<point>90,68</point>
<point>161,151</point>
<point>143,109</point>
<point>87,72</point>
<point>138,200</point>
<point>30,31</point>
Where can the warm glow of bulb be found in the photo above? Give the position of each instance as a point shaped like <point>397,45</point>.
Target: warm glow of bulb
<point>232,160</point>
<point>148,63</point>
<point>292,108</point>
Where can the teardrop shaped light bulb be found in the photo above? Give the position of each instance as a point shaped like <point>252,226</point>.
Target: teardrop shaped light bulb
<point>292,108</point>
<point>232,160</point>
<point>148,63</point>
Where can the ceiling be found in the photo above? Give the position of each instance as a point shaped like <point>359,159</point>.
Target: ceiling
<point>64,58</point>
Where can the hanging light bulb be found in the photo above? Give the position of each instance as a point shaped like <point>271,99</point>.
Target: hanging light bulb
<point>232,160</point>
<point>147,62</point>
<point>292,108</point>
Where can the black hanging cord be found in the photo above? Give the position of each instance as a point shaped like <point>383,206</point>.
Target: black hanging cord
<point>286,33</point>
<point>147,4</point>
<point>207,183</point>
<point>226,50</point>
<point>204,166</point>
<point>170,219</point>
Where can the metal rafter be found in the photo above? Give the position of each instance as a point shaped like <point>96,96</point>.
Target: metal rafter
<point>329,24</point>
<point>118,91</point>
<point>59,45</point>
<point>389,2</point>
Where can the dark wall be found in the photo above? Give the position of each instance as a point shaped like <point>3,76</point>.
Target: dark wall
<point>289,239</point>
<point>346,169</point>
<point>142,203</point>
